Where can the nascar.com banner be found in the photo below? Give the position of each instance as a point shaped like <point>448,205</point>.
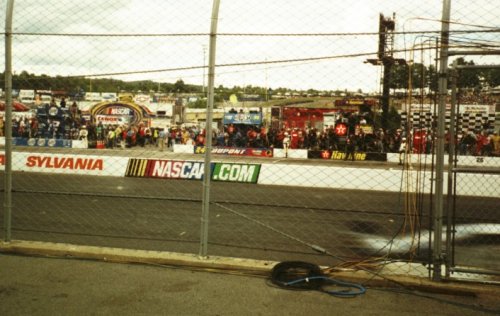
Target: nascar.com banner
<point>191,170</point>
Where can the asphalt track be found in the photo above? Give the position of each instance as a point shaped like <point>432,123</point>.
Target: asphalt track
<point>246,220</point>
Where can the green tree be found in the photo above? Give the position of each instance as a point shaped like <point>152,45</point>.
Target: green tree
<point>198,104</point>
<point>468,78</point>
<point>400,76</point>
<point>432,78</point>
<point>179,86</point>
<point>492,77</point>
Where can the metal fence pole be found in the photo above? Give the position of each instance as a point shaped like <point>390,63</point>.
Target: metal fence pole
<point>208,131</point>
<point>451,157</point>
<point>8,121</point>
<point>443,92</point>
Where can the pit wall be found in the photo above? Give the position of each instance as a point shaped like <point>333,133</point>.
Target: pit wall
<point>390,177</point>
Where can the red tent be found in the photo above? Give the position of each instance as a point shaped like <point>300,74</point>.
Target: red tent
<point>16,106</point>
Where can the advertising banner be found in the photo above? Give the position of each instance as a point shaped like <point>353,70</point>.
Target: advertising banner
<point>67,164</point>
<point>243,118</point>
<point>170,169</point>
<point>112,119</point>
<point>231,151</point>
<point>41,142</point>
<point>233,172</point>
<point>340,155</point>
<point>191,170</point>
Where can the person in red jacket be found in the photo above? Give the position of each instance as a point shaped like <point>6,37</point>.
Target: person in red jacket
<point>294,139</point>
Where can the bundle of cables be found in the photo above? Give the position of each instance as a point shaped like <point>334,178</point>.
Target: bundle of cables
<point>298,275</point>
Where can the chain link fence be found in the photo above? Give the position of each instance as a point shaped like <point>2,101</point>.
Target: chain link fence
<point>323,130</point>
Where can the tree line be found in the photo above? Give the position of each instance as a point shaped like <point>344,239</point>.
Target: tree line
<point>427,77</point>
<point>422,77</point>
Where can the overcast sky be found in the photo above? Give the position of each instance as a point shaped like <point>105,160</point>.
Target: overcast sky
<point>76,55</point>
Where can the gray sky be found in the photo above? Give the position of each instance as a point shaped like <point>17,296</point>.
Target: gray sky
<point>75,55</point>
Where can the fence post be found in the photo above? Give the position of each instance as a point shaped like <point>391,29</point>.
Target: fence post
<point>8,121</point>
<point>443,92</point>
<point>451,163</point>
<point>208,132</point>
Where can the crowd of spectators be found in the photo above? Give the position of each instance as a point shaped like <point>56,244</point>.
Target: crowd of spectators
<point>71,125</point>
<point>477,143</point>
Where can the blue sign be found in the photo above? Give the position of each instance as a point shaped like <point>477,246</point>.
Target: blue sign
<point>243,118</point>
<point>41,142</point>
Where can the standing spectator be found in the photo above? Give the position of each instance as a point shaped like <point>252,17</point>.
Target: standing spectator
<point>130,140</point>
<point>380,139</point>
<point>171,137</point>
<point>486,144</point>
<point>99,130</point>
<point>496,143</point>
<point>428,143</point>
<point>118,136</point>
<point>294,139</point>
<point>155,134</point>
<point>361,140</point>
<point>141,135</point>
<point>469,143</point>
<point>402,150</point>
<point>147,136</point>
<point>161,139</point>
<point>286,143</point>
<point>110,138</point>
<point>350,147</point>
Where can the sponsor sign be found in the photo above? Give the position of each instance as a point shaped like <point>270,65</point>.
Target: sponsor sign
<point>341,129</point>
<point>67,164</point>
<point>243,118</point>
<point>41,142</point>
<point>191,170</point>
<point>463,108</point>
<point>62,162</point>
<point>254,152</point>
<point>119,111</point>
<point>367,129</point>
<point>109,96</point>
<point>142,98</point>
<point>263,152</point>
<point>53,111</point>
<point>171,169</point>
<point>222,151</point>
<point>340,155</point>
<point>233,172</point>
<point>93,96</point>
<point>112,120</point>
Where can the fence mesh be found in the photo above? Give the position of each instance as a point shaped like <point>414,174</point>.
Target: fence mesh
<point>110,149</point>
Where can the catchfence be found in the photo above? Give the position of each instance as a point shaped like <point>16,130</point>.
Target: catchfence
<point>322,117</point>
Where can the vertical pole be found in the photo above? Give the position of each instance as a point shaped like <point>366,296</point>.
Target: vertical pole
<point>451,155</point>
<point>208,131</point>
<point>8,121</point>
<point>443,91</point>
